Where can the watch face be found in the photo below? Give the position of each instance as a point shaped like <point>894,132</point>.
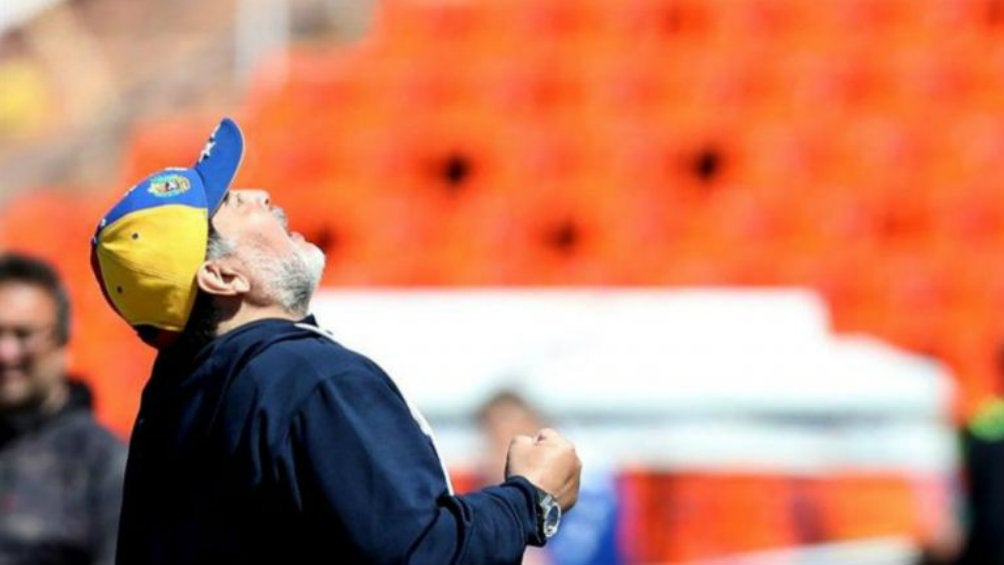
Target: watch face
<point>552,517</point>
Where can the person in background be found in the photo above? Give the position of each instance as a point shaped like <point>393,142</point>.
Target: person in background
<point>976,532</point>
<point>983,449</point>
<point>60,471</point>
<point>588,536</point>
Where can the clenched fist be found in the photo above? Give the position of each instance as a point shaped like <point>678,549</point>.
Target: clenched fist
<point>549,462</point>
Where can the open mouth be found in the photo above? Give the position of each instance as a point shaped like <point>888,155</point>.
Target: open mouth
<point>280,215</point>
<point>11,374</point>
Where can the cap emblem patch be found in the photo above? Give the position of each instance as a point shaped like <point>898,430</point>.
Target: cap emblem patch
<point>166,186</point>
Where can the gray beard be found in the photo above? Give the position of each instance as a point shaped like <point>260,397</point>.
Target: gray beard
<point>296,279</point>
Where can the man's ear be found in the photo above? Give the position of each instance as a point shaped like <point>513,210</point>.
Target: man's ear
<point>220,279</point>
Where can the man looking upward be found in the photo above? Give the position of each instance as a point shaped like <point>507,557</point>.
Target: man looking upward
<point>259,438</point>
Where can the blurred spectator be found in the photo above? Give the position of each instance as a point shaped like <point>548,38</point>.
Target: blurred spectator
<point>984,461</point>
<point>587,536</point>
<point>983,469</point>
<point>60,471</point>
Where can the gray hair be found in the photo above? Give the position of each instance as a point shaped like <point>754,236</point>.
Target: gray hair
<point>205,316</point>
<point>216,246</point>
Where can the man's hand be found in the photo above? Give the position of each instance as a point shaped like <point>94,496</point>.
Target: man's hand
<point>549,462</point>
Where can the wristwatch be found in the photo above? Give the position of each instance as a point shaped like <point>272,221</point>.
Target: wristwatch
<point>548,515</point>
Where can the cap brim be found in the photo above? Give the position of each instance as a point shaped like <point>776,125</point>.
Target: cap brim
<point>219,162</point>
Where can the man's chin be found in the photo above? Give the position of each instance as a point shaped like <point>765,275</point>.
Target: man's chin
<point>315,261</point>
<point>14,395</point>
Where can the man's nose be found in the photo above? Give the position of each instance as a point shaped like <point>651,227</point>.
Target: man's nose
<point>257,196</point>
<point>11,349</point>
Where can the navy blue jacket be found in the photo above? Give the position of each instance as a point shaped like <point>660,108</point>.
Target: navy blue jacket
<point>274,444</point>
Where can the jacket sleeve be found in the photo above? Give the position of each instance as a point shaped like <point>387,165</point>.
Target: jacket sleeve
<point>360,462</point>
<point>106,501</point>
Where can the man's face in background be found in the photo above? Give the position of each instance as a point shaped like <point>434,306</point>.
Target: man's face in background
<point>500,423</point>
<point>32,361</point>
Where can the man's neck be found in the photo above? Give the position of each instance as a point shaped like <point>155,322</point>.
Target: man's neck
<point>57,398</point>
<point>38,410</point>
<point>247,314</point>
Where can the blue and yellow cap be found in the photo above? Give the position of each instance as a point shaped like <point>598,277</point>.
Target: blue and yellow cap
<point>149,246</point>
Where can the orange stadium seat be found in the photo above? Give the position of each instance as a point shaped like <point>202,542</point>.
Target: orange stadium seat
<point>297,162</point>
<point>987,77</point>
<point>622,87</point>
<point>558,235</point>
<point>666,21</point>
<point>698,263</point>
<point>754,513</point>
<point>555,19</point>
<point>885,152</point>
<point>970,212</point>
<point>702,516</point>
<point>440,82</point>
<point>741,215</point>
<point>912,284</point>
<point>686,518</point>
<point>873,19</point>
<point>849,283</point>
<point>839,213</point>
<point>534,91</point>
<point>422,29</point>
<point>570,32</point>
<point>785,157</point>
<point>776,20</point>
<point>640,527</point>
<point>860,506</point>
<point>980,145</point>
<point>743,82</point>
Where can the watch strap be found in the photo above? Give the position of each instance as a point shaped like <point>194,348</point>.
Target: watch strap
<point>533,527</point>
